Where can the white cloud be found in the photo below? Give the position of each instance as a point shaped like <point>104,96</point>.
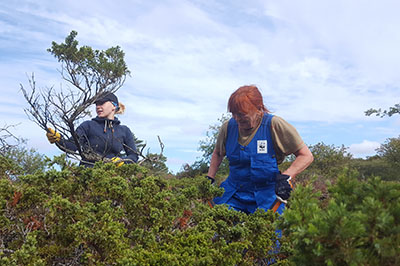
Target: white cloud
<point>315,61</point>
<point>365,148</point>
<point>360,34</point>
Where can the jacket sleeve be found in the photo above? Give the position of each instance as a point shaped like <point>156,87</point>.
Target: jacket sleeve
<point>67,145</point>
<point>130,146</point>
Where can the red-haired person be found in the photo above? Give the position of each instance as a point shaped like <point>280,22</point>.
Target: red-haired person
<point>255,142</point>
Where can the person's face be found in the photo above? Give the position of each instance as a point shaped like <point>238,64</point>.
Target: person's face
<point>246,121</point>
<point>105,110</point>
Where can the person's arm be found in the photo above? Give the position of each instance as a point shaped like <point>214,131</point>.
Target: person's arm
<point>288,141</point>
<point>216,160</point>
<point>69,145</point>
<point>303,159</point>
<point>130,147</point>
<point>219,151</point>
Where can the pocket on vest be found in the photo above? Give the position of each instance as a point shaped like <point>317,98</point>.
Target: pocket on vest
<point>234,160</point>
<point>264,162</point>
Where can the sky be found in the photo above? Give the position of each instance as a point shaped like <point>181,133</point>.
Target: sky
<point>319,65</point>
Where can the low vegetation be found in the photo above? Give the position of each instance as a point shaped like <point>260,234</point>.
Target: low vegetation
<point>133,215</point>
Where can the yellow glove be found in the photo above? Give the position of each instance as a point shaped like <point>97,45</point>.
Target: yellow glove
<point>118,162</point>
<point>52,135</point>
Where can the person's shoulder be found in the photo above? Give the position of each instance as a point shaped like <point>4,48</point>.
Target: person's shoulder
<point>224,126</point>
<point>86,126</point>
<point>125,128</point>
<point>279,124</point>
<point>87,123</point>
<point>278,121</point>
<point>122,125</point>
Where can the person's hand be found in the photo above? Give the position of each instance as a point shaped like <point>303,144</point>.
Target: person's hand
<point>118,161</point>
<point>283,187</point>
<point>212,180</point>
<point>52,135</point>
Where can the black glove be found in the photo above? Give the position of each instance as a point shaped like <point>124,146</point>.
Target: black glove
<point>283,187</point>
<point>212,180</point>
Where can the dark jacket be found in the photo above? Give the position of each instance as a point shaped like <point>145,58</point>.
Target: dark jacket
<point>106,138</point>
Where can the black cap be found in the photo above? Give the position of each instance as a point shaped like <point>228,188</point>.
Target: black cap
<point>107,97</point>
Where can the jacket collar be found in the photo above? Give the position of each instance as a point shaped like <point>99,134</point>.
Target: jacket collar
<point>103,120</point>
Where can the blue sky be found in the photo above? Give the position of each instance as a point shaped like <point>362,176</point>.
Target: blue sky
<point>319,65</point>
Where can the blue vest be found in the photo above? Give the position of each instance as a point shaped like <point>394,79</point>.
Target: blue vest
<point>252,168</point>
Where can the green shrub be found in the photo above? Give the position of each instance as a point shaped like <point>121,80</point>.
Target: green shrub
<point>358,225</point>
<point>124,216</point>
<point>127,216</point>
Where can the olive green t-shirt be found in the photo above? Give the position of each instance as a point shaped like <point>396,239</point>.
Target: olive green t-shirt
<point>285,137</point>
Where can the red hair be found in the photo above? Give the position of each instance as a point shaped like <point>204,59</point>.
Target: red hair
<point>246,99</point>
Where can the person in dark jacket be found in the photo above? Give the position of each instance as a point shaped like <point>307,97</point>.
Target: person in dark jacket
<point>255,142</point>
<point>103,137</point>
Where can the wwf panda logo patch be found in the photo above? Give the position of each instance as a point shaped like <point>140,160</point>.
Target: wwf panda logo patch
<point>262,146</point>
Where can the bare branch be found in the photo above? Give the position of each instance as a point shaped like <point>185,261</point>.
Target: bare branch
<point>152,158</point>
<point>6,137</point>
